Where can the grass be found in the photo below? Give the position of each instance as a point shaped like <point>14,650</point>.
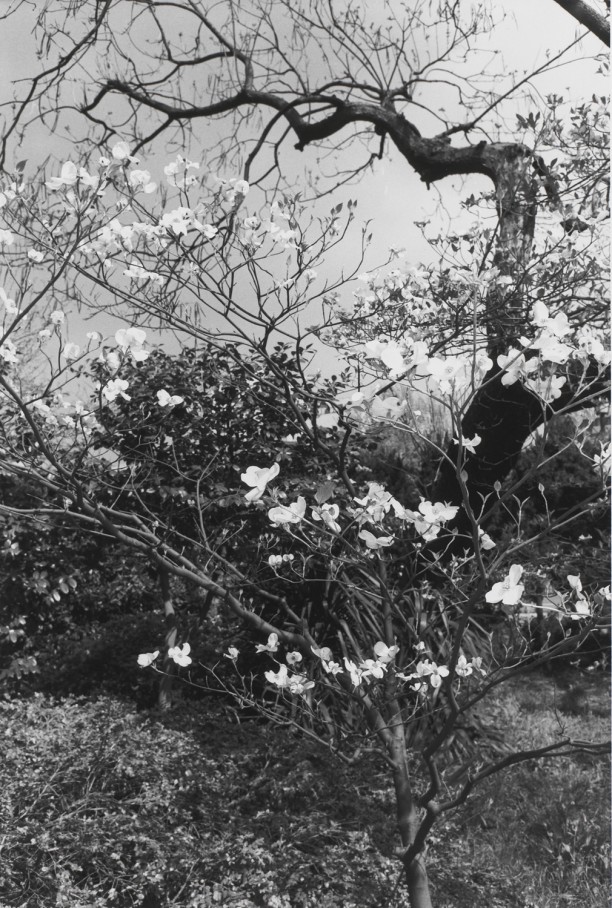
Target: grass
<point>539,835</point>
<point>103,807</point>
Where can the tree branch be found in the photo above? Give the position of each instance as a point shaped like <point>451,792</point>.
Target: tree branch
<point>587,16</point>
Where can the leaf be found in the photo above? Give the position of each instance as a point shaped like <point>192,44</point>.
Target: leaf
<point>324,492</point>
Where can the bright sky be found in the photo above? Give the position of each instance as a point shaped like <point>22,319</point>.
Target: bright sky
<point>391,197</point>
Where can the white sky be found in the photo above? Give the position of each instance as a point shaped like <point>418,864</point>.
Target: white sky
<point>391,197</point>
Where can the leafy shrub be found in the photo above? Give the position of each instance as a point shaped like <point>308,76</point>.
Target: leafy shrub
<point>103,807</point>
<point>95,802</point>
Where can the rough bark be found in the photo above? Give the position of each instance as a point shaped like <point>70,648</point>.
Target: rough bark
<point>587,16</point>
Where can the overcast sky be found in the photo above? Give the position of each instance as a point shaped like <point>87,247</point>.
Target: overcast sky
<point>391,196</point>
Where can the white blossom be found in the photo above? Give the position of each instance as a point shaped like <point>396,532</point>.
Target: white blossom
<point>509,591</point>
<point>69,174</point>
<point>180,654</point>
<point>548,388</point>
<point>141,179</point>
<point>486,543</point>
<point>131,340</point>
<point>376,542</point>
<point>515,366</point>
<point>164,399</point>
<point>603,461</point>
<point>146,659</point>
<point>8,352</point>
<point>292,513</point>
<point>270,647</point>
<point>8,303</point>
<point>470,444</point>
<point>116,388</point>
<point>385,653</point>
<point>121,152</point>
<point>71,351</point>
<point>558,326</point>
<point>258,478</point>
<point>328,513</point>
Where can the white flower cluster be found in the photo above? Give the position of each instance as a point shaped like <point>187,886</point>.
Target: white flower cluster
<point>535,363</point>
<point>428,520</point>
<point>177,172</point>
<point>178,654</point>
<point>276,561</point>
<point>510,590</point>
<point>255,231</point>
<point>361,672</point>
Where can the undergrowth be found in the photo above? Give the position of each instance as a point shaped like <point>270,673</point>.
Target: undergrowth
<point>105,807</point>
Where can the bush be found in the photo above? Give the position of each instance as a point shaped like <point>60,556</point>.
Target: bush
<point>103,807</point>
<point>96,803</point>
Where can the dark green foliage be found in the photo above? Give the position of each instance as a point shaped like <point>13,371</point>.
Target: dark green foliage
<point>234,413</point>
<point>183,463</point>
<point>56,586</point>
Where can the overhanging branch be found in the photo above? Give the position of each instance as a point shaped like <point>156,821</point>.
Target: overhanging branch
<point>587,16</point>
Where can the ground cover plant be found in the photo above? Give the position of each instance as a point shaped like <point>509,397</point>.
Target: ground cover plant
<point>210,439</point>
<point>105,806</point>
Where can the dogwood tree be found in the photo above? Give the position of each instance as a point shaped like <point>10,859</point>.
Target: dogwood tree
<point>509,330</point>
<point>394,638</point>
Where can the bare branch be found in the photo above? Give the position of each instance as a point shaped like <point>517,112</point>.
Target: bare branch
<point>589,17</point>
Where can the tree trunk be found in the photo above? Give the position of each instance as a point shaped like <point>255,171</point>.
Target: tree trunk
<point>504,416</point>
<point>164,699</point>
<point>408,822</point>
